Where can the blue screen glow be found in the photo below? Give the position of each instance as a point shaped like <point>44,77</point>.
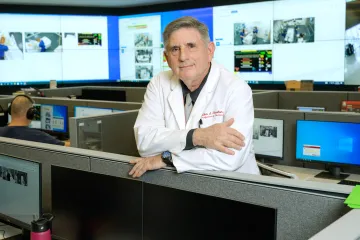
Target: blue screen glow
<point>330,142</point>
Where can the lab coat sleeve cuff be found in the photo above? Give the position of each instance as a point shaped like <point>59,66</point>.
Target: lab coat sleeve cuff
<point>189,140</point>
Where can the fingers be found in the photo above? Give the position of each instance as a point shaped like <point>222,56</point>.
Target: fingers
<point>236,133</point>
<point>138,170</point>
<point>226,150</point>
<point>229,122</point>
<point>231,144</point>
<point>135,160</point>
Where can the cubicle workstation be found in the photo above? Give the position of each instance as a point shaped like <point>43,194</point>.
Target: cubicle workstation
<point>107,132</point>
<point>293,100</point>
<point>122,94</point>
<point>316,137</point>
<point>162,202</point>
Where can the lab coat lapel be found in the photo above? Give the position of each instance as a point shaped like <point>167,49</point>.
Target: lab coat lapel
<point>176,103</point>
<point>204,97</point>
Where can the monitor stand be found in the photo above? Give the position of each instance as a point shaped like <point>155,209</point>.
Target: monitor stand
<point>333,173</point>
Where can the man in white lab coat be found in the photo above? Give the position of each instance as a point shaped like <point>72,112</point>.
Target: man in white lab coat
<point>199,116</point>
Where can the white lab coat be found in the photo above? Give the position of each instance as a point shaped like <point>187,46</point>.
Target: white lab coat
<point>160,125</point>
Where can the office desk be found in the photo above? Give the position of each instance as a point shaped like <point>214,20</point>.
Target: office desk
<point>308,174</point>
<point>10,232</point>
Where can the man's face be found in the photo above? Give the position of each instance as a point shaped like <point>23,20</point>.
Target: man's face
<point>188,55</point>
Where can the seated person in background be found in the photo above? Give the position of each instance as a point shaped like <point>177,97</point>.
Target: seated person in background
<point>3,48</point>
<point>199,116</point>
<point>22,113</point>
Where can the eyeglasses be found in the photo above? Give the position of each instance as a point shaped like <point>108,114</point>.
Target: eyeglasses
<point>189,47</point>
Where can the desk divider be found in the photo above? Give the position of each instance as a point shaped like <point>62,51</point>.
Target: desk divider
<point>296,201</point>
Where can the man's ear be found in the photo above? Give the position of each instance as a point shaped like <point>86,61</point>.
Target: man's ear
<point>211,50</point>
<point>165,55</point>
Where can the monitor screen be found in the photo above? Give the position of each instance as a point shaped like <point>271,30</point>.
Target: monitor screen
<point>91,111</point>
<point>20,187</point>
<point>260,41</point>
<point>54,118</point>
<point>36,122</point>
<point>268,137</point>
<point>311,109</point>
<point>328,142</point>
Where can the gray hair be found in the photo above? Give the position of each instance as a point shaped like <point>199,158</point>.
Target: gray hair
<point>186,22</point>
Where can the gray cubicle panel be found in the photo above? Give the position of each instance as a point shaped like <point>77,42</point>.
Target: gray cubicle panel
<point>4,102</point>
<point>330,100</point>
<point>266,100</point>
<point>333,117</point>
<point>62,92</point>
<point>354,96</point>
<point>133,94</point>
<point>290,117</point>
<point>124,106</point>
<point>115,132</point>
<point>303,208</point>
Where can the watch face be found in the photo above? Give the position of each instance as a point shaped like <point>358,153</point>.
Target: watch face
<point>166,154</point>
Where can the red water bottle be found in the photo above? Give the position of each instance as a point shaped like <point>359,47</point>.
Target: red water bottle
<point>41,228</point>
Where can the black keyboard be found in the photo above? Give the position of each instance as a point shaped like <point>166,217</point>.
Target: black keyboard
<point>349,182</point>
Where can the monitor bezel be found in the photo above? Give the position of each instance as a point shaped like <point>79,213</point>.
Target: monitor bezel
<point>13,221</point>
<point>283,137</point>
<point>318,161</point>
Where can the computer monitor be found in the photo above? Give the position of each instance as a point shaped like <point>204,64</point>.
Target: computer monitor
<point>20,188</point>
<point>91,111</point>
<point>332,143</point>
<point>36,122</point>
<point>268,138</point>
<point>54,118</point>
<point>310,109</point>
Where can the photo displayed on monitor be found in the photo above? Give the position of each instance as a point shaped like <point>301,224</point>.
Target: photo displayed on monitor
<point>310,109</point>
<point>54,118</point>
<point>338,143</point>
<point>130,47</point>
<point>91,111</point>
<point>268,137</point>
<point>20,184</point>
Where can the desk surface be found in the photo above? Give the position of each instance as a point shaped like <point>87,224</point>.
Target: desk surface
<point>308,174</point>
<point>9,231</point>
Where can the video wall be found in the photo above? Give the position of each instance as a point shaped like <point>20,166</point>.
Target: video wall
<point>262,42</point>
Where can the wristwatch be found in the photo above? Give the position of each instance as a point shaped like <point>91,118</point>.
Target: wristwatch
<point>166,157</point>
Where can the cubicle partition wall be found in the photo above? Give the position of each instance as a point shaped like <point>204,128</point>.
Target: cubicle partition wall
<point>353,96</point>
<point>330,100</point>
<point>112,133</point>
<point>266,99</point>
<point>63,92</point>
<point>133,94</point>
<point>301,208</point>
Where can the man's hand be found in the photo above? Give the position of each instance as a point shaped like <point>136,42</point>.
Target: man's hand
<point>145,164</point>
<point>220,137</point>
